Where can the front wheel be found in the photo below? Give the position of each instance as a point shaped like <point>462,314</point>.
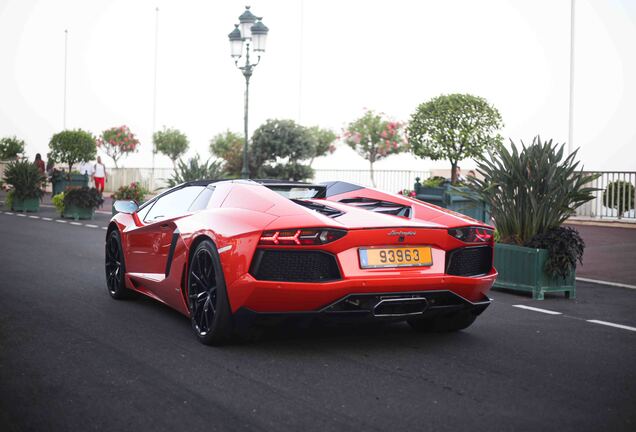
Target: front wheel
<point>447,323</point>
<point>207,296</point>
<point>116,267</point>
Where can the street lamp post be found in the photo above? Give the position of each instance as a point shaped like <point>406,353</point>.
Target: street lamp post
<point>250,33</point>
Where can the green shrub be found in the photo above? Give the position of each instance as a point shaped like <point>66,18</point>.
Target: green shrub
<point>11,147</point>
<point>531,191</point>
<point>435,181</point>
<point>194,169</point>
<point>8,201</point>
<point>58,202</point>
<point>619,195</point>
<point>25,179</point>
<point>72,146</point>
<point>84,197</point>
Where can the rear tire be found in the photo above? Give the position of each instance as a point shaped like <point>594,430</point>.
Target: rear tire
<point>448,323</point>
<point>209,307</point>
<point>116,268</point>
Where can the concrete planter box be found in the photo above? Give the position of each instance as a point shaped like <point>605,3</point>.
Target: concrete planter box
<point>522,269</point>
<point>74,212</point>
<point>25,205</point>
<point>63,181</point>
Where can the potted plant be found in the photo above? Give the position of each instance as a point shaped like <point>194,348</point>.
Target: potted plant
<point>133,192</point>
<point>71,147</point>
<point>80,203</point>
<point>531,193</point>
<point>26,186</point>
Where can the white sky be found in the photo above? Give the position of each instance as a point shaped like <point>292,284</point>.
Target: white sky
<point>385,55</point>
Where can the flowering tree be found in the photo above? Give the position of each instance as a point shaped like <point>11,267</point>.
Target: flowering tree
<point>374,138</point>
<point>117,142</point>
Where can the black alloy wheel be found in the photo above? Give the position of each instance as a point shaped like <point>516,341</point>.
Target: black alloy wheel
<point>207,297</point>
<point>115,267</point>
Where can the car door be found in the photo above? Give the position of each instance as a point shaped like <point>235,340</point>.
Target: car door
<point>149,244</point>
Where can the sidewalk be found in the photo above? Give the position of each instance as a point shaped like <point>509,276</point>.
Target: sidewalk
<point>610,253</point>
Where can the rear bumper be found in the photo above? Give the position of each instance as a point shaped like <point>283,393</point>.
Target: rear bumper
<point>375,307</point>
<point>256,296</point>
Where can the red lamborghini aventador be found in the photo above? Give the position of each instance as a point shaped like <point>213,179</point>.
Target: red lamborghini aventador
<point>229,253</point>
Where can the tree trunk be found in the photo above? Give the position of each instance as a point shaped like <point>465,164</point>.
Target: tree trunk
<point>371,170</point>
<point>453,172</point>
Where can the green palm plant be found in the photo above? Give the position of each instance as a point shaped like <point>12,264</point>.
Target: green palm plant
<point>194,169</point>
<point>25,178</point>
<point>531,190</point>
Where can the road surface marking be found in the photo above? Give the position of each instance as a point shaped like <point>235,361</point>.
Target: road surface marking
<point>46,219</point>
<point>545,311</point>
<point>20,214</point>
<point>76,223</point>
<point>91,226</point>
<point>34,217</point>
<point>104,228</point>
<point>602,282</point>
<point>620,326</point>
<point>9,213</point>
<point>60,221</point>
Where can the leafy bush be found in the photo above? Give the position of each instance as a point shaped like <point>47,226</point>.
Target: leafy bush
<point>565,247</point>
<point>229,147</point>
<point>619,195</point>
<point>133,192</point>
<point>171,142</point>
<point>84,197</point>
<point>117,142</point>
<point>435,181</point>
<point>281,139</point>
<point>288,171</point>
<point>58,202</point>
<point>531,191</point>
<point>8,201</point>
<point>11,147</point>
<point>73,146</point>
<point>454,127</point>
<point>25,179</point>
<point>195,170</point>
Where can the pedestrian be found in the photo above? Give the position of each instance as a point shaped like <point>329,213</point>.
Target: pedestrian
<point>39,163</point>
<point>99,175</point>
<point>460,177</point>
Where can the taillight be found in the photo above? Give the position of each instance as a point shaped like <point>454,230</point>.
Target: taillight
<point>298,237</point>
<point>472,234</point>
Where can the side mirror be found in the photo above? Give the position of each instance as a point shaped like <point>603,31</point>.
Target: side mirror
<point>128,207</point>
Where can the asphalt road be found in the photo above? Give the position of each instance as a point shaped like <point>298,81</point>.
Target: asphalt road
<point>71,358</point>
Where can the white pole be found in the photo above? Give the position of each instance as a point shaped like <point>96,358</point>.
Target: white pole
<point>300,61</point>
<point>571,113</point>
<point>65,67</point>
<point>154,91</point>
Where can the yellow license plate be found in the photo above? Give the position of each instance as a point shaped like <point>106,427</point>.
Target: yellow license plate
<point>396,257</point>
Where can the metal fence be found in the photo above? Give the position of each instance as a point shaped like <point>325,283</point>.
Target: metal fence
<point>386,180</point>
<point>614,198</point>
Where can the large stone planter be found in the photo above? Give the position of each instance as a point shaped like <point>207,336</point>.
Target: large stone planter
<point>25,205</point>
<point>75,212</point>
<point>522,269</point>
<point>454,198</point>
<point>62,181</point>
